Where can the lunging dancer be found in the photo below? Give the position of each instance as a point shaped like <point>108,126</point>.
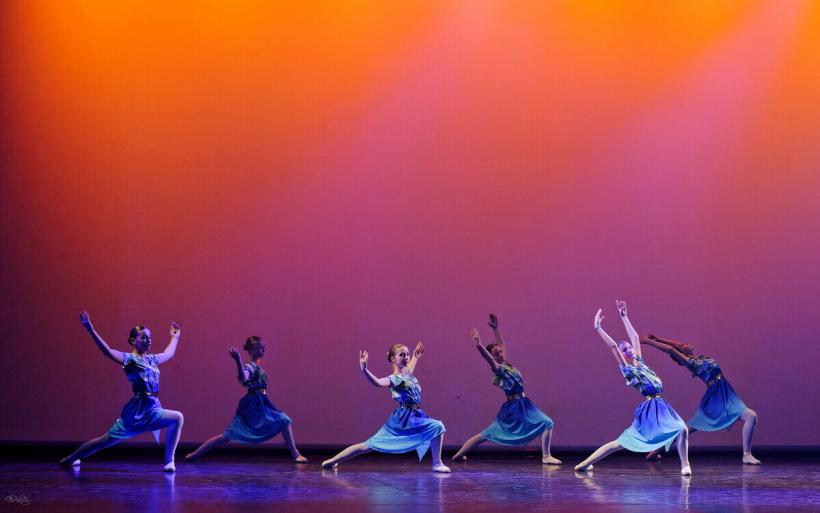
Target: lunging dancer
<point>256,419</point>
<point>656,424</point>
<point>408,427</point>
<point>720,406</point>
<point>519,420</point>
<point>144,411</point>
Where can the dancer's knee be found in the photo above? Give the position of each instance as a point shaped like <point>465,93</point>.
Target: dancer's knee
<point>750,416</point>
<point>614,446</point>
<point>176,417</point>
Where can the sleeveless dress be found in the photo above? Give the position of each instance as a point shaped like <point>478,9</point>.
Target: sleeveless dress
<point>518,420</point>
<point>144,411</point>
<point>656,423</point>
<point>256,419</point>
<point>720,406</point>
<point>408,427</point>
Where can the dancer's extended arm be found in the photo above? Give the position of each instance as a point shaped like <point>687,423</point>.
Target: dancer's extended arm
<point>634,339</point>
<point>683,347</point>
<point>483,350</point>
<point>599,317</point>
<point>493,322</point>
<point>115,355</point>
<point>378,382</point>
<point>241,372</point>
<point>417,353</point>
<point>171,349</point>
<point>672,351</point>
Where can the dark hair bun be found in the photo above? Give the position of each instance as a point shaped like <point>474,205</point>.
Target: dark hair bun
<point>252,341</point>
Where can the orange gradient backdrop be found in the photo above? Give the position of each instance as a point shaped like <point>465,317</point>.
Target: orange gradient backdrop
<point>341,175</point>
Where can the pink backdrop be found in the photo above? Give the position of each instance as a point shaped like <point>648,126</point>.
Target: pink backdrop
<point>337,176</point>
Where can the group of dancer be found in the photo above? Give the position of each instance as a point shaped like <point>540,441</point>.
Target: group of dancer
<point>408,428</point>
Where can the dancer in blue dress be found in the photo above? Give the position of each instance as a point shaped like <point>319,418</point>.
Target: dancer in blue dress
<point>720,406</point>
<point>256,419</point>
<point>656,424</point>
<point>144,411</point>
<point>408,428</point>
<point>519,420</point>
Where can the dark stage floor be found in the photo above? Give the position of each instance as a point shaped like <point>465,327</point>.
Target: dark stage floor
<point>379,483</point>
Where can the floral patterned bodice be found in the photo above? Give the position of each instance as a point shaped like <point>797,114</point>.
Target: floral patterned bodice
<point>142,371</point>
<point>508,379</point>
<point>704,368</point>
<point>405,388</point>
<point>257,379</point>
<point>642,378</point>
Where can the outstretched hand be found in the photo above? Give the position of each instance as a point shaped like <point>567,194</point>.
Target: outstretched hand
<point>621,304</point>
<point>234,352</point>
<point>362,360</point>
<point>85,319</point>
<point>475,336</point>
<point>493,321</point>
<point>175,330</point>
<point>419,350</point>
<point>599,318</point>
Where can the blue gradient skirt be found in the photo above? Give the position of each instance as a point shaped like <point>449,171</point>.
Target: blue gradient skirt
<point>256,420</point>
<point>656,425</point>
<point>406,430</point>
<point>719,408</point>
<point>517,422</point>
<point>142,413</point>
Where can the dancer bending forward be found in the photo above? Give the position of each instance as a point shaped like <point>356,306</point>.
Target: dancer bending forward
<point>408,427</point>
<point>720,406</point>
<point>519,420</point>
<point>256,419</point>
<point>656,424</point>
<point>143,412</point>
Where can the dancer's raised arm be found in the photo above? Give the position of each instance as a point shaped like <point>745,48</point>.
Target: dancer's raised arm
<point>417,353</point>
<point>483,350</point>
<point>172,344</point>
<point>599,317</point>
<point>242,373</point>
<point>115,355</point>
<point>634,339</point>
<point>378,382</point>
<point>493,322</point>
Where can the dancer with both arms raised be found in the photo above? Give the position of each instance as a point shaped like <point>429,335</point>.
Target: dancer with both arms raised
<point>656,424</point>
<point>144,411</point>
<point>720,407</point>
<point>256,419</point>
<point>408,427</point>
<point>519,420</point>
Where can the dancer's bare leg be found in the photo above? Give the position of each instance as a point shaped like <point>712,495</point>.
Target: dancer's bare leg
<point>346,454</point>
<point>656,454</point>
<point>287,434</point>
<point>209,444</point>
<point>749,418</point>
<point>173,420</point>
<point>89,448</point>
<point>435,450</point>
<point>683,453</point>
<point>471,443</point>
<point>546,442</point>
<point>601,453</point>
